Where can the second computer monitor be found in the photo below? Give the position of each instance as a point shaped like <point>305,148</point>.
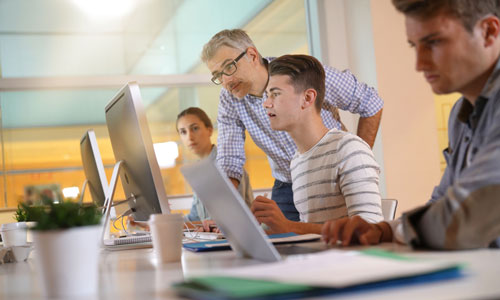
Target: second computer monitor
<point>132,143</point>
<point>93,168</point>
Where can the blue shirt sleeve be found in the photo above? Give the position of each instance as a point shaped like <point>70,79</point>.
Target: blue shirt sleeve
<point>198,211</point>
<point>231,137</point>
<point>440,190</point>
<point>193,214</point>
<point>464,212</point>
<point>345,91</point>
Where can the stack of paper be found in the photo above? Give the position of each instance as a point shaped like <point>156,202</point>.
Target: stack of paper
<point>328,272</point>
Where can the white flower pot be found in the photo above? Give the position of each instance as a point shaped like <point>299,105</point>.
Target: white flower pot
<point>29,234</point>
<point>14,234</point>
<point>67,261</point>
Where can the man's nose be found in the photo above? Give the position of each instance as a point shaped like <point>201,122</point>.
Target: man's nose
<point>422,59</point>
<point>267,103</point>
<point>226,79</point>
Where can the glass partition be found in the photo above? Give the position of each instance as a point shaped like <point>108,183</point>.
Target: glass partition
<point>41,127</point>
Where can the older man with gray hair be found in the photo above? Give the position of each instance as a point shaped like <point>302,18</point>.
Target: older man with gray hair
<point>237,65</point>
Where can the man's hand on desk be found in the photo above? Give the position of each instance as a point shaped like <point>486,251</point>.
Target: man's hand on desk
<point>355,230</point>
<point>132,222</point>
<point>208,226</point>
<point>203,226</point>
<point>267,211</point>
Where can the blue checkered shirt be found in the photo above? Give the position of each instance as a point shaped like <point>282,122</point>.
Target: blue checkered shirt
<point>235,116</point>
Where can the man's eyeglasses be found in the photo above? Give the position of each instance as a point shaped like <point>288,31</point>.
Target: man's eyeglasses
<point>228,69</point>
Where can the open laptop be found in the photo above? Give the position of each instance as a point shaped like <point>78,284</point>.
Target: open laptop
<point>231,214</point>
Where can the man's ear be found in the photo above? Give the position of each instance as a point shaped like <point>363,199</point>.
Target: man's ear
<point>253,54</point>
<point>490,27</point>
<point>309,98</point>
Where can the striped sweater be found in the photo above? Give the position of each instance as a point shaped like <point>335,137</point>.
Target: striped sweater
<point>338,177</point>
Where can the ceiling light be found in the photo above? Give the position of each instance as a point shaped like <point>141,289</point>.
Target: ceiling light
<point>106,8</point>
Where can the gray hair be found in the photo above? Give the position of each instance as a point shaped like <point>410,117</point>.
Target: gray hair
<point>235,38</point>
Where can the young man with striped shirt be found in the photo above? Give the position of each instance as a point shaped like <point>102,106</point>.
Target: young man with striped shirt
<point>333,172</point>
<point>241,70</point>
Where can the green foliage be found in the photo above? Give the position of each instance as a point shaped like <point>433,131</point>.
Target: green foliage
<point>21,214</point>
<point>25,213</point>
<point>63,215</point>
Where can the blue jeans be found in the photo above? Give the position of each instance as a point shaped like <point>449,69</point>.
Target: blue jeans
<point>283,196</point>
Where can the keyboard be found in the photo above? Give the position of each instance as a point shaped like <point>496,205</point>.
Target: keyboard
<point>143,240</point>
<point>203,235</point>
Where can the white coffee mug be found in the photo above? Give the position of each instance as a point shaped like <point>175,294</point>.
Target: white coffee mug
<point>166,231</point>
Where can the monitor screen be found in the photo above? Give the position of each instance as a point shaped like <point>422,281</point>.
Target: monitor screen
<point>132,144</point>
<point>93,168</point>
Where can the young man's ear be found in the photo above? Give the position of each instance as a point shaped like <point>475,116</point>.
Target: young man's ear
<point>491,29</point>
<point>309,98</point>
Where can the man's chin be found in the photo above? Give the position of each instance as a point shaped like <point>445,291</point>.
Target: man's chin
<point>441,89</point>
<point>239,95</point>
<point>276,127</point>
<point>436,90</point>
<point>239,92</point>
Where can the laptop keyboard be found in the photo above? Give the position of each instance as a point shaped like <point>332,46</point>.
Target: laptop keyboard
<point>127,240</point>
<point>203,235</point>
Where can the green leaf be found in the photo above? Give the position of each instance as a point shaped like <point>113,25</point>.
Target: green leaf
<point>63,215</point>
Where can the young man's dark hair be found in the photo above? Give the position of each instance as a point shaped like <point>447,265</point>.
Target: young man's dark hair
<point>304,71</point>
<point>467,11</point>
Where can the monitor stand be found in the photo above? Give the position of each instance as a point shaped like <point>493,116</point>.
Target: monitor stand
<point>108,202</point>
<point>84,185</point>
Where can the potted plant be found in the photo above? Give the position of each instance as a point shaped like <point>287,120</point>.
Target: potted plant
<point>15,234</point>
<point>66,242</point>
<point>22,215</point>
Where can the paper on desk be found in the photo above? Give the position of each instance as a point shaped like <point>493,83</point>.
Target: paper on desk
<point>339,269</point>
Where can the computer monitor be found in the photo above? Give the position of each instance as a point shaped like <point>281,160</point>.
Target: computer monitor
<point>93,168</point>
<point>132,144</point>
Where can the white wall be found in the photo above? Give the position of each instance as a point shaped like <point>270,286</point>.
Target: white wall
<point>349,45</point>
<point>409,128</point>
<point>368,37</point>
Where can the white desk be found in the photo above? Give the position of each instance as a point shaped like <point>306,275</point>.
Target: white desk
<point>134,274</point>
